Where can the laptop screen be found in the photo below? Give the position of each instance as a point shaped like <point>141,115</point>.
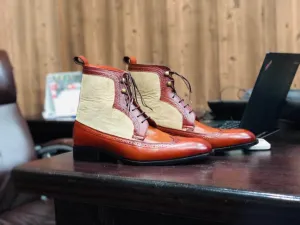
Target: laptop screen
<point>269,93</point>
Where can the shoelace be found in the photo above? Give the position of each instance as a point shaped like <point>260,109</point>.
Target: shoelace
<point>172,85</point>
<point>131,90</point>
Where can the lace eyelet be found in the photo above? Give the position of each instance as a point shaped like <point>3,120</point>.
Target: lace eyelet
<point>123,91</point>
<point>167,73</point>
<point>123,80</point>
<point>169,84</point>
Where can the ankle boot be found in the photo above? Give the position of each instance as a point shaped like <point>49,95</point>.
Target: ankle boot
<point>110,125</point>
<point>172,115</point>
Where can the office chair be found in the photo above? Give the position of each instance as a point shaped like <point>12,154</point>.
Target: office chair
<point>16,148</point>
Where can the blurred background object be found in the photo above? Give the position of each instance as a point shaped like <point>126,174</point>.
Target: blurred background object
<point>214,43</point>
<point>62,95</point>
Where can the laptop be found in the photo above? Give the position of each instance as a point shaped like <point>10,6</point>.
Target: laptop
<point>268,96</point>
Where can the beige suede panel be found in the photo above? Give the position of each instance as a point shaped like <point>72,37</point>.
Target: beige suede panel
<point>96,107</point>
<point>163,113</point>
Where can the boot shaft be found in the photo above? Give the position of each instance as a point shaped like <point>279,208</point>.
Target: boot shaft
<point>106,102</point>
<point>111,125</point>
<point>157,89</point>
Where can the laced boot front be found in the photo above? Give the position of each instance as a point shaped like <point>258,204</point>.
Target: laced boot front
<point>172,115</point>
<point>111,125</point>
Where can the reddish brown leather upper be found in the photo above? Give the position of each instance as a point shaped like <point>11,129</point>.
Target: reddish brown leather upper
<point>157,146</point>
<point>167,93</point>
<point>218,138</point>
<point>7,84</point>
<point>120,101</point>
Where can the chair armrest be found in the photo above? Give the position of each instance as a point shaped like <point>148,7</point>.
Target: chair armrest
<point>54,147</point>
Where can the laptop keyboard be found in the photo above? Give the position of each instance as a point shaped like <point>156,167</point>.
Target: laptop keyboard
<point>230,124</point>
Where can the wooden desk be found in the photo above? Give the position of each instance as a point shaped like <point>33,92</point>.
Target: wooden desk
<point>237,188</point>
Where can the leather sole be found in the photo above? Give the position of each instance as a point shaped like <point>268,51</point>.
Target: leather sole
<point>92,154</point>
<point>228,148</point>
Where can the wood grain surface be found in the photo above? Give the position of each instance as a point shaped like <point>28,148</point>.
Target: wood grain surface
<point>218,45</point>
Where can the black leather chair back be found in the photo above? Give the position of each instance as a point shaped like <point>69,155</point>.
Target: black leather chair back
<point>16,145</point>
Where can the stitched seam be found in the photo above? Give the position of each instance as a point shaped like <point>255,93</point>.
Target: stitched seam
<point>125,141</point>
<point>205,136</point>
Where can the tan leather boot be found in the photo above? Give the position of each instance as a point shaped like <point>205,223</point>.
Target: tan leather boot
<point>172,115</point>
<point>111,126</point>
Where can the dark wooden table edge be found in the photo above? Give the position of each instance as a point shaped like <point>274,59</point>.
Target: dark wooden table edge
<point>186,197</point>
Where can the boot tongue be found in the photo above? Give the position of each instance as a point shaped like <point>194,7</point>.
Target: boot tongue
<point>189,116</point>
<point>167,77</point>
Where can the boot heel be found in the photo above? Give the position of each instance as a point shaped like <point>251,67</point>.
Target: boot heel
<point>90,154</point>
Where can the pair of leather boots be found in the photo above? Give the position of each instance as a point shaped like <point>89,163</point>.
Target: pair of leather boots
<point>136,117</point>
